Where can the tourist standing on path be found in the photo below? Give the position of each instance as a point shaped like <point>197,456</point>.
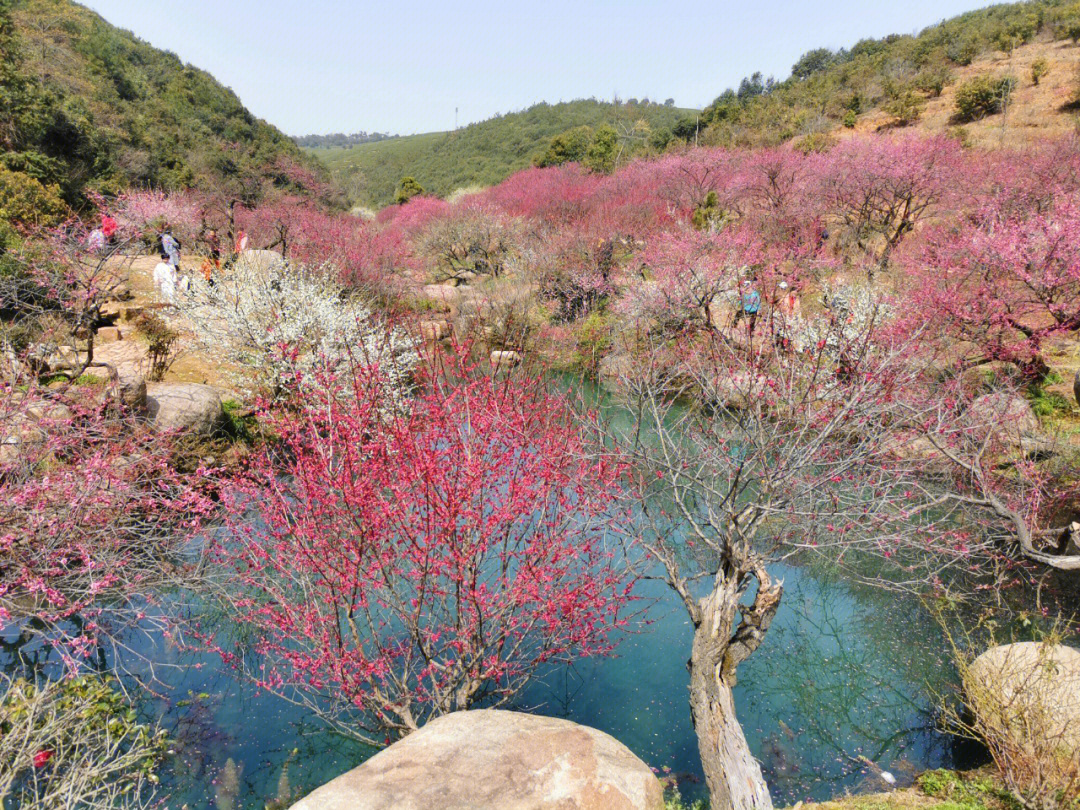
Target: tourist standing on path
<point>109,228</point>
<point>751,305</point>
<point>213,262</point>
<point>165,278</point>
<point>96,240</point>
<point>170,248</point>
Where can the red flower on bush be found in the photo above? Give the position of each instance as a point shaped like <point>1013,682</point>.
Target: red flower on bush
<point>42,757</point>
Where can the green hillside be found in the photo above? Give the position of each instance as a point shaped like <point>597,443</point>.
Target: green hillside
<point>85,106</point>
<point>484,153</point>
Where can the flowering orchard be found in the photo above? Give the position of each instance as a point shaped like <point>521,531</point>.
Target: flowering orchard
<point>419,534</point>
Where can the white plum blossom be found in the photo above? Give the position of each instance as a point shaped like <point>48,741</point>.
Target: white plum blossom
<point>279,321</point>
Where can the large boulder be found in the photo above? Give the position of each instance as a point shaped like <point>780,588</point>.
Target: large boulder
<point>496,760</point>
<point>259,261</point>
<point>1010,415</point>
<point>1027,689</point>
<point>131,390</point>
<point>30,425</point>
<point>442,297</point>
<point>189,407</point>
<point>504,360</point>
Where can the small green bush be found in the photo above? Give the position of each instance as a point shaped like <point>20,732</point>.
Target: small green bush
<point>906,108</point>
<point>850,117</point>
<point>982,95</point>
<point>1039,68</point>
<point>407,189</point>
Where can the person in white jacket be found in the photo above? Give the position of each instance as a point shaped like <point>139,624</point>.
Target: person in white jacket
<point>165,280</point>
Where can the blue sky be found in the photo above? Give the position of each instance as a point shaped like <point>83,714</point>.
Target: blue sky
<point>403,66</point>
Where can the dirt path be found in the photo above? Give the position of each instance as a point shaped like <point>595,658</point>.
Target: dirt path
<point>192,364</point>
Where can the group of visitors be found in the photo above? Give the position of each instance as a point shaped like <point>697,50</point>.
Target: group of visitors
<point>785,302</point>
<point>104,235</point>
<point>167,273</point>
<point>168,276</point>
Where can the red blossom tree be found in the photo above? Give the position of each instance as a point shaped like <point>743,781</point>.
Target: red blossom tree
<point>401,566</point>
<point>882,188</point>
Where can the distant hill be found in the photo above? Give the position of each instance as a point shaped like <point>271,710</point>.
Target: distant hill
<point>86,106</point>
<point>479,154</point>
<point>339,139</point>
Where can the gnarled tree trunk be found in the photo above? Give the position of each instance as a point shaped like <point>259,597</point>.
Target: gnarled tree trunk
<point>732,773</point>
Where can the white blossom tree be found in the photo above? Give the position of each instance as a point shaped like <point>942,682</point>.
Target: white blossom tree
<point>279,322</point>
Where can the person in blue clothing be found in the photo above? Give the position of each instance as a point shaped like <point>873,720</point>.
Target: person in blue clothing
<point>751,305</point>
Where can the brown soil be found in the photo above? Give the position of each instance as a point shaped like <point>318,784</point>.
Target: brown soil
<point>1036,111</point>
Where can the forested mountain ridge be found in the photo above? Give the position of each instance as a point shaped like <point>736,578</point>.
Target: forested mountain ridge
<point>87,107</point>
<point>487,152</point>
<point>893,80</point>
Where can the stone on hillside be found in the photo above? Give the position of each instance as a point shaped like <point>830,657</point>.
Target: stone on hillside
<point>64,358</point>
<point>1011,413</point>
<point>434,330</point>
<point>446,298</point>
<point>1076,387</point>
<point>131,390</point>
<point>126,357</point>
<point>184,406</point>
<point>1026,689</point>
<point>505,359</point>
<point>31,426</point>
<point>615,367</point>
<point>121,293</point>
<point>108,334</point>
<point>496,760</point>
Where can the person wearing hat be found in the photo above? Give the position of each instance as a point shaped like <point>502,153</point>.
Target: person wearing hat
<point>789,303</point>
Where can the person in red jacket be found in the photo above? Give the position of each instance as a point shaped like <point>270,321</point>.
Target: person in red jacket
<point>108,228</point>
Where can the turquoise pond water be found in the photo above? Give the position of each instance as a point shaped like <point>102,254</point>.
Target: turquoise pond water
<point>842,674</point>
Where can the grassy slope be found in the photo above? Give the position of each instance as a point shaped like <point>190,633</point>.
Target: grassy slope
<point>482,153</point>
<point>1036,111</point>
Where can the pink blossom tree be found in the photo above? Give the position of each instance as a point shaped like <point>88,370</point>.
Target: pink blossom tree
<point>95,518</point>
<point>1000,286</point>
<point>404,565</point>
<point>882,188</point>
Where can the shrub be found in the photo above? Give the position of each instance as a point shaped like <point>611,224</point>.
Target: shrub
<point>25,201</point>
<point>982,95</point>
<point>934,81</point>
<point>161,340</point>
<point>74,743</point>
<point>850,117</point>
<point>1039,68</point>
<point>906,108</point>
<point>470,242</point>
<point>594,341</point>
<point>407,189</point>
<point>1069,23</point>
<point>281,321</point>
